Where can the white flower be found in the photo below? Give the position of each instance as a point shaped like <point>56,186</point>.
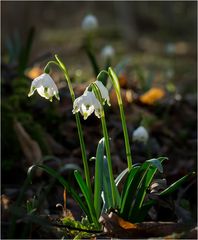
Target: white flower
<point>89,23</point>
<point>104,92</point>
<point>140,135</point>
<point>107,52</point>
<point>45,87</point>
<point>87,104</point>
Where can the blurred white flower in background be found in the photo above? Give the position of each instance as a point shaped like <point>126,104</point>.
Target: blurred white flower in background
<point>45,87</point>
<point>87,104</point>
<point>89,23</point>
<point>170,48</point>
<point>141,135</point>
<point>108,52</point>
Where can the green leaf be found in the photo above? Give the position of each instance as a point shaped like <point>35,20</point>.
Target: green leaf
<point>156,163</point>
<point>87,196</point>
<point>129,190</point>
<point>120,176</point>
<point>98,180</point>
<point>137,182</point>
<point>65,184</point>
<point>106,194</point>
<point>70,166</point>
<point>176,185</point>
<point>173,187</point>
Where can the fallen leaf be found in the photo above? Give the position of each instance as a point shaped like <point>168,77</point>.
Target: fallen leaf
<point>126,94</point>
<point>151,96</point>
<point>122,80</point>
<point>115,226</point>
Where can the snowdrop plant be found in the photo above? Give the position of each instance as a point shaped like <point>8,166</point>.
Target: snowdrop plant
<point>130,202</point>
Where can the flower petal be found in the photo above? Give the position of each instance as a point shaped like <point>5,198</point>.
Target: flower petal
<point>104,92</point>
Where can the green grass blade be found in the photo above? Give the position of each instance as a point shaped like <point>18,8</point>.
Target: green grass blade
<point>98,180</point>
<point>65,184</point>
<point>87,196</point>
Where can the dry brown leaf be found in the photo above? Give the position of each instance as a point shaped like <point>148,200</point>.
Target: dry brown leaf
<point>29,147</point>
<point>152,96</point>
<point>127,97</point>
<point>122,80</point>
<point>115,226</point>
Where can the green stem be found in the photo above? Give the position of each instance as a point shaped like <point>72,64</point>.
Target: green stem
<point>107,145</point>
<point>122,114</point>
<point>78,123</point>
<point>126,136</point>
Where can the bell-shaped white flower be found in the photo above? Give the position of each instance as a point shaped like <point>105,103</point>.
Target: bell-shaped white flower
<point>89,23</point>
<point>45,87</point>
<point>104,92</point>
<point>107,52</point>
<point>140,135</point>
<point>87,104</point>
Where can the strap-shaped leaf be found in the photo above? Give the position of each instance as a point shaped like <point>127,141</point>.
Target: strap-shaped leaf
<point>156,164</point>
<point>173,187</point>
<point>98,180</point>
<point>120,176</point>
<point>65,184</point>
<point>106,193</point>
<point>129,189</point>
<point>137,184</point>
<point>176,185</point>
<point>87,196</point>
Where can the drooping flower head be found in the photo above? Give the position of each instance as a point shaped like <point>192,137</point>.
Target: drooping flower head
<point>87,104</point>
<point>108,52</point>
<point>45,87</point>
<point>140,135</point>
<point>89,23</point>
<point>104,92</point>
